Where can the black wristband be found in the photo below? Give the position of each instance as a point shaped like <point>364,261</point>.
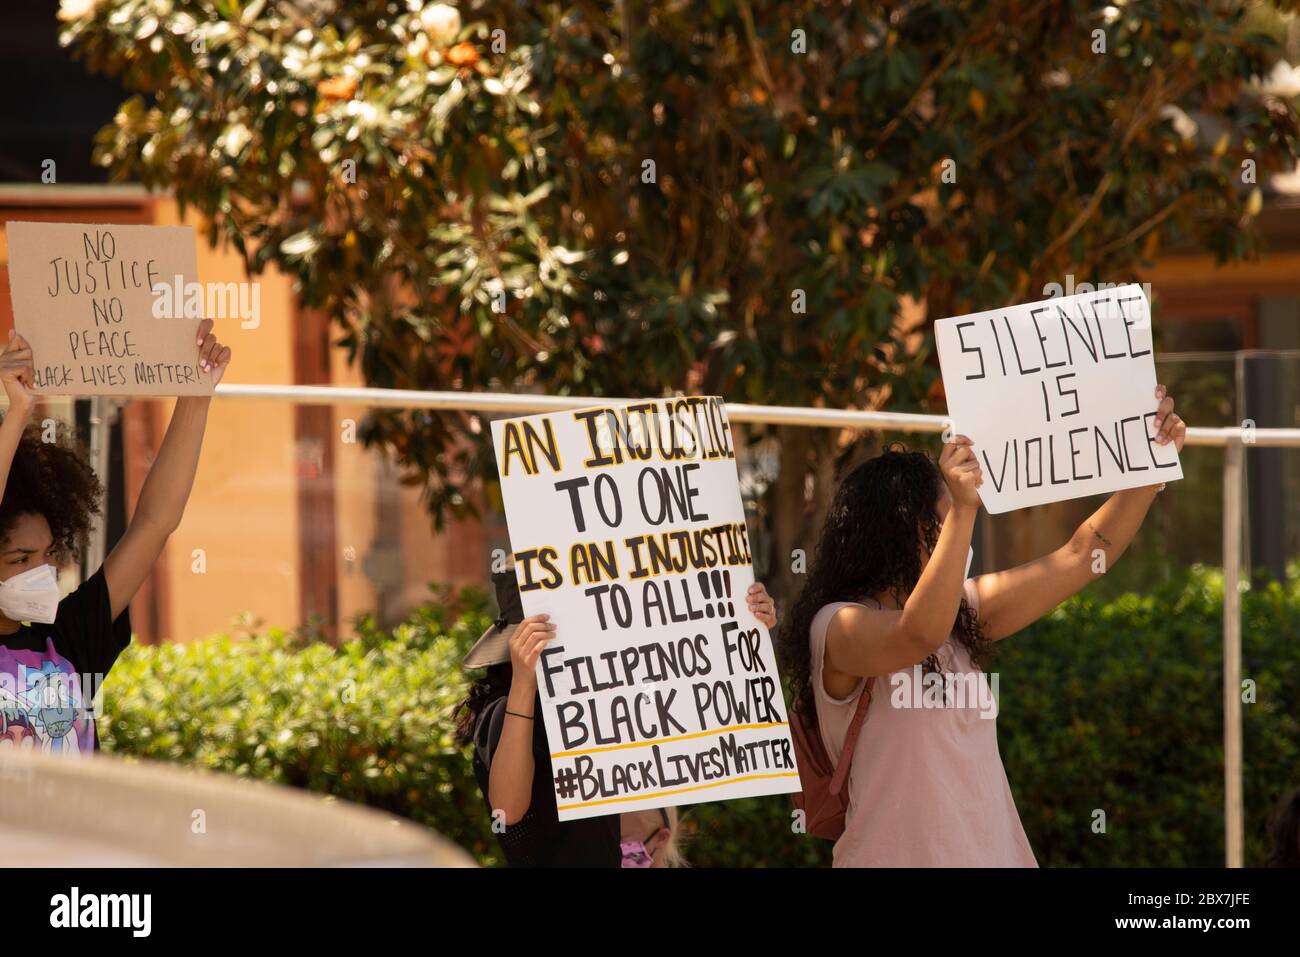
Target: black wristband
<point>527,717</point>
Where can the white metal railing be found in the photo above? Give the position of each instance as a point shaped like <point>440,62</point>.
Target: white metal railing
<point>1232,440</point>
<point>516,403</point>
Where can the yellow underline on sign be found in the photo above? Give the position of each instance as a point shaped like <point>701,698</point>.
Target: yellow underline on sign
<point>680,737</point>
<point>697,787</point>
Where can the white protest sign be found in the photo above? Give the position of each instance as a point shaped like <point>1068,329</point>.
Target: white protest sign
<point>84,298</point>
<point>1057,396</point>
<point>660,688</point>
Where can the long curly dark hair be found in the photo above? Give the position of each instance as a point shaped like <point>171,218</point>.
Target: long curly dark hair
<point>883,511</point>
<point>53,479</point>
<point>494,683</point>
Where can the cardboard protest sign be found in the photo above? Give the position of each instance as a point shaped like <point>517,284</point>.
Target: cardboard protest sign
<point>84,298</point>
<point>660,688</point>
<point>1057,396</point>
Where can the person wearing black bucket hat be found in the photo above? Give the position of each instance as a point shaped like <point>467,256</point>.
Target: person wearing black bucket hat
<point>501,718</point>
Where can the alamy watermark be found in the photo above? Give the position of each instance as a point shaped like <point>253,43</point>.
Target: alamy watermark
<point>210,300</point>
<point>966,690</point>
<point>41,708</point>
<point>133,912</point>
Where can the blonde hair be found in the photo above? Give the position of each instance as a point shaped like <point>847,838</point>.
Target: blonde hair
<point>670,853</point>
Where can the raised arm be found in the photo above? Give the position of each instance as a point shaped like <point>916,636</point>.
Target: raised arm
<point>510,777</point>
<point>1017,597</point>
<point>17,374</point>
<point>861,642</point>
<point>167,487</point>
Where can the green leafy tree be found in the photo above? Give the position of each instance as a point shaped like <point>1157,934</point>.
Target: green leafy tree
<point>733,197</point>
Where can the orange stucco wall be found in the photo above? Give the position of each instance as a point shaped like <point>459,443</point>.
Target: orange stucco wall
<point>242,514</point>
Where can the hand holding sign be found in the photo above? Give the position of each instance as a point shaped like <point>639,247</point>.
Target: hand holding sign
<point>526,646</point>
<point>1169,427</point>
<point>18,374</point>
<point>761,605</point>
<point>213,356</point>
<point>961,472</point>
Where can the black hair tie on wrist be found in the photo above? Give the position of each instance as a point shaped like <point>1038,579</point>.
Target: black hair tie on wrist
<point>526,717</point>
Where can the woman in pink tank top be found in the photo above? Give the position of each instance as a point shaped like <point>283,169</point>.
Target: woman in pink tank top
<point>888,610</point>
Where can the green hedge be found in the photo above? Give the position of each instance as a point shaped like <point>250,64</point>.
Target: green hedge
<point>367,721</point>
<point>1119,706</point>
<point>1112,706</point>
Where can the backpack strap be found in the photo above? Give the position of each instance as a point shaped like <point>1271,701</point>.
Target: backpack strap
<point>851,739</point>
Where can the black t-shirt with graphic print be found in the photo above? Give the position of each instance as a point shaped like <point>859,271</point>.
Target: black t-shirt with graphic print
<point>49,673</point>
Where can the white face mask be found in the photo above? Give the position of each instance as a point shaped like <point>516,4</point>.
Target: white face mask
<point>31,596</point>
<point>970,557</point>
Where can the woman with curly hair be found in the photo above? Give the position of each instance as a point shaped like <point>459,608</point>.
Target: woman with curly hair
<point>888,612</point>
<point>55,652</point>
